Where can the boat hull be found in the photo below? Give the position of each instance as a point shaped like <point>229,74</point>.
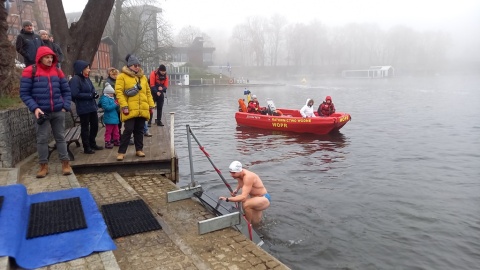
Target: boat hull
<point>291,120</point>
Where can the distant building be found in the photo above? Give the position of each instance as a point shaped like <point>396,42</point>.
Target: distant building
<point>371,72</point>
<point>195,54</point>
<point>102,61</point>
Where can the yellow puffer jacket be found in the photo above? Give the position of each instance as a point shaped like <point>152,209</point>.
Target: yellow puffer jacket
<point>138,105</point>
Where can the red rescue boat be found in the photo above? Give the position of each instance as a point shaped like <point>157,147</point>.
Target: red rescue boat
<point>292,120</point>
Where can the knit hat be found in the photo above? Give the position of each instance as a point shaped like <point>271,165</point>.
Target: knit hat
<point>25,23</point>
<point>132,60</point>
<point>254,96</point>
<point>235,166</point>
<point>162,67</point>
<point>108,89</point>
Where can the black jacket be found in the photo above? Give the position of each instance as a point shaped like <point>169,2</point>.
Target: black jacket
<point>27,45</point>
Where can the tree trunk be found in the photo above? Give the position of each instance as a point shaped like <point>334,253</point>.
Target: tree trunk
<point>7,56</point>
<point>37,14</point>
<point>116,34</point>
<point>81,40</point>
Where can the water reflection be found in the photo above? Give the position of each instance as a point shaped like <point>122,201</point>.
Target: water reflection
<point>282,146</point>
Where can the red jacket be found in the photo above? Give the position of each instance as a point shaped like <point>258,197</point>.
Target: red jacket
<point>253,107</point>
<point>326,109</point>
<point>157,80</point>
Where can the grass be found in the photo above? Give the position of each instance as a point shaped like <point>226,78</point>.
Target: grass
<point>10,103</point>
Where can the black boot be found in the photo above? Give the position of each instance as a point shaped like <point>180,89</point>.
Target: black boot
<point>96,147</point>
<point>88,151</point>
<point>159,123</point>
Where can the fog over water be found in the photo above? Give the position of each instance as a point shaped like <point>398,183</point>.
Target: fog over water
<point>217,19</point>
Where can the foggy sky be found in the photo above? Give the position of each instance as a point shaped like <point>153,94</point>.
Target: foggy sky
<point>460,18</point>
<point>220,14</point>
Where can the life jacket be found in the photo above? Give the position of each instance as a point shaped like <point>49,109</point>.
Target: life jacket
<point>253,107</point>
<point>241,106</point>
<point>326,109</point>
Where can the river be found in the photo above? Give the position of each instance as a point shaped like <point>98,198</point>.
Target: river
<point>398,188</point>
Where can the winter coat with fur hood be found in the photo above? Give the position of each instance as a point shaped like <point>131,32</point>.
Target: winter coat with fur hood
<point>138,105</point>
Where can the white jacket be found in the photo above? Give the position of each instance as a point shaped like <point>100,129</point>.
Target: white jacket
<point>307,111</point>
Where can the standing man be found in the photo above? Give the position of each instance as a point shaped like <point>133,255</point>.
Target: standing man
<point>46,93</point>
<point>254,197</point>
<point>28,43</point>
<point>57,50</point>
<point>158,85</point>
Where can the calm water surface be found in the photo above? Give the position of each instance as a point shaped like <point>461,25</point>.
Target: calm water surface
<point>398,188</point>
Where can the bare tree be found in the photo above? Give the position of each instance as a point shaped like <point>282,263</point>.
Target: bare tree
<point>240,46</point>
<point>296,43</point>
<point>82,39</point>
<point>274,37</point>
<point>117,28</point>
<point>187,34</point>
<point>7,57</point>
<point>138,29</point>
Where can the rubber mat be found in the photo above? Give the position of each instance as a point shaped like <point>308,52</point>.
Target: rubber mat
<point>127,218</point>
<point>54,217</point>
<point>39,252</point>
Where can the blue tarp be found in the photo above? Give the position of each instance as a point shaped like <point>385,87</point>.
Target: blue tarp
<point>51,249</point>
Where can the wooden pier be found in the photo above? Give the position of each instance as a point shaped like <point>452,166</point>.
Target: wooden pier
<point>159,156</point>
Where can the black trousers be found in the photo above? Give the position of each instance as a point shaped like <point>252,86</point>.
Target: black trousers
<point>135,126</point>
<point>89,129</point>
<point>159,100</point>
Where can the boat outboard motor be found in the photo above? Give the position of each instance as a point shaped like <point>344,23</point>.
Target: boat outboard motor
<point>270,107</point>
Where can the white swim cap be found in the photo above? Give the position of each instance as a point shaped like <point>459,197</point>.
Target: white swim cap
<point>235,166</point>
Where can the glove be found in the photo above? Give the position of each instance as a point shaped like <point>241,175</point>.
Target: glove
<point>151,110</point>
<point>116,102</point>
<point>125,111</point>
<point>95,95</point>
<point>164,89</point>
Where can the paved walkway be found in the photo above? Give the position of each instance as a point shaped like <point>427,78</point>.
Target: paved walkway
<point>177,246</point>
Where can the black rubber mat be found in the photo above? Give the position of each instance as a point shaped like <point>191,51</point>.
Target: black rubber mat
<point>1,202</point>
<point>127,218</point>
<point>55,217</point>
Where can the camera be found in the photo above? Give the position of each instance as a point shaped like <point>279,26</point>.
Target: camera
<point>42,118</point>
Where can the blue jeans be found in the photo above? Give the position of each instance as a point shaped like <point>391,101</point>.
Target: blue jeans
<point>145,128</point>
<point>56,124</point>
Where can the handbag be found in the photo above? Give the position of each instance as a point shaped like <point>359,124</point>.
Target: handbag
<point>134,90</point>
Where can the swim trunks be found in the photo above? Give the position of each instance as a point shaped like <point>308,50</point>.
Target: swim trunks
<point>268,197</point>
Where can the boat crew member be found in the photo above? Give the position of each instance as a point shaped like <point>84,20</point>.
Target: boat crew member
<point>326,108</point>
<point>254,106</point>
<point>254,196</point>
<point>307,110</point>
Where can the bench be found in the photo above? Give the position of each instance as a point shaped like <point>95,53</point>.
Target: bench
<point>72,135</point>
<point>76,118</point>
